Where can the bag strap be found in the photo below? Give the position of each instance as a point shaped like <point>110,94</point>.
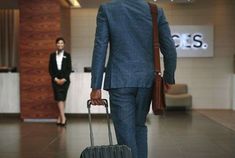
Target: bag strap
<point>156,45</point>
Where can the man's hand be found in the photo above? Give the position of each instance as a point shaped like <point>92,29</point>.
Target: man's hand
<point>167,86</point>
<point>96,97</point>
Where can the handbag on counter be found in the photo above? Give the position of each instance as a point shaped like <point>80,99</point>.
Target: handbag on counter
<point>158,94</point>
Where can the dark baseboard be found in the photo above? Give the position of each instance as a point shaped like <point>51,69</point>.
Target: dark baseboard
<point>17,115</point>
<point>85,115</point>
<point>9,115</point>
<point>178,108</point>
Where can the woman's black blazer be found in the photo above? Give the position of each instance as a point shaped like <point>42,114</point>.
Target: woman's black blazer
<point>66,67</point>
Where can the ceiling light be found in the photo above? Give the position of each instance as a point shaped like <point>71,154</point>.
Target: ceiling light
<point>74,3</point>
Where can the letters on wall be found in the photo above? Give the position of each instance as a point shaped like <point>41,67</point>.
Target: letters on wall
<point>193,40</point>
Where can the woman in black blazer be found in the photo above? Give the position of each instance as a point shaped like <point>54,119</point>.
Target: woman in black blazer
<point>60,69</point>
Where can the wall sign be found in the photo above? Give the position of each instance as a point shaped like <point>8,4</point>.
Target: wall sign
<point>193,40</point>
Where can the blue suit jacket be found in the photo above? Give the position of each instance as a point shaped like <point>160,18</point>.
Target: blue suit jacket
<point>127,26</point>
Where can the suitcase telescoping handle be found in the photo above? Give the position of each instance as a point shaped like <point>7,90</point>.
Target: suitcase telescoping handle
<point>108,121</point>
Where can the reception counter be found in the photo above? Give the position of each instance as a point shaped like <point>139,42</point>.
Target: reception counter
<point>78,94</point>
<point>9,93</point>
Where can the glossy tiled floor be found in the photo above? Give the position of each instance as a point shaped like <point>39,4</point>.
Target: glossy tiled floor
<point>224,117</point>
<point>175,135</point>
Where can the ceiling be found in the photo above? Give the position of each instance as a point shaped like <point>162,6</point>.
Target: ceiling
<point>4,4</point>
<point>96,3</point>
<point>9,4</point>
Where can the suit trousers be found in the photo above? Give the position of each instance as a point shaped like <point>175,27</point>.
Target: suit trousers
<point>129,108</point>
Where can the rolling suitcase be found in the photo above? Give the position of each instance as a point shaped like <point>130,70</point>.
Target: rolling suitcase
<point>104,151</point>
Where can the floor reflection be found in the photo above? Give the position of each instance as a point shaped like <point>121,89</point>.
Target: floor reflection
<point>177,134</point>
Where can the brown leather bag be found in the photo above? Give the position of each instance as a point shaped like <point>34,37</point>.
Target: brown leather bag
<point>158,95</point>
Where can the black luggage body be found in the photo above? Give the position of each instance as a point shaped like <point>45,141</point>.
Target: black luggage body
<point>104,151</point>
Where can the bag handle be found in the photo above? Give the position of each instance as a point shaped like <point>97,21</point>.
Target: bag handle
<point>108,121</point>
<point>156,45</point>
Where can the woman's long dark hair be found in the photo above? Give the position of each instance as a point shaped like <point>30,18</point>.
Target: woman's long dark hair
<point>59,39</point>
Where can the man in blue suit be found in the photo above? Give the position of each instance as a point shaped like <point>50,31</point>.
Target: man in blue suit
<point>127,26</point>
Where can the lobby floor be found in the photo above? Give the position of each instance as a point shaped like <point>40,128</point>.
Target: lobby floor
<point>175,135</point>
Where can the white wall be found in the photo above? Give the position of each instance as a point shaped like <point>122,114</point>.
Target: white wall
<point>209,79</point>
<point>83,23</point>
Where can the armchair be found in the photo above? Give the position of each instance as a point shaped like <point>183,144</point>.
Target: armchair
<point>178,96</point>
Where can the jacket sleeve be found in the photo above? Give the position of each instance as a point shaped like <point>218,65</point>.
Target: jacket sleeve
<point>51,67</point>
<point>167,48</point>
<point>100,49</point>
<point>69,67</point>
